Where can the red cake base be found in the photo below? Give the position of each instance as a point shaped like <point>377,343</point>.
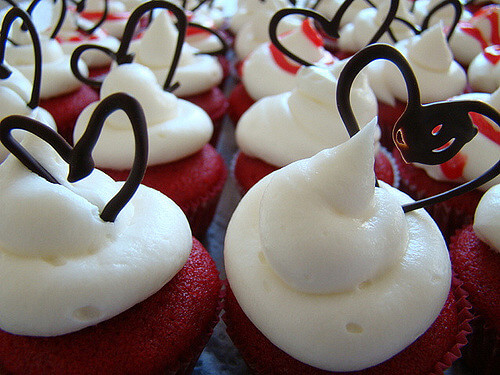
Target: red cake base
<point>239,102</point>
<point>195,183</point>
<point>66,108</point>
<point>162,334</point>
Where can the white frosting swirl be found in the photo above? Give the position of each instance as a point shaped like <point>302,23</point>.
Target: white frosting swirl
<point>422,8</point>
<point>487,218</point>
<point>328,8</point>
<point>255,29</point>
<point>61,267</point>
<point>478,155</point>
<point>297,124</point>
<point>356,34</point>
<point>57,77</point>
<point>483,74</point>
<point>196,73</point>
<point>176,127</point>
<point>15,93</point>
<point>439,77</point>
<point>263,76</point>
<point>357,299</point>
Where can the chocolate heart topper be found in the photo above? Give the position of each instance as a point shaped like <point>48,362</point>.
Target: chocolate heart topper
<point>330,27</point>
<point>457,6</point>
<point>122,56</point>
<point>428,133</point>
<point>12,14</point>
<point>79,157</point>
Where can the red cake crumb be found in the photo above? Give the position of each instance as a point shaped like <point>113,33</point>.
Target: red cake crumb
<point>158,334</point>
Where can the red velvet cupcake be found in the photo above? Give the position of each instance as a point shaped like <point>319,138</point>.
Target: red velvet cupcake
<point>281,129</point>
<point>181,164</point>
<point>476,260</point>
<point>267,71</point>
<point>107,277</point>
<point>281,250</point>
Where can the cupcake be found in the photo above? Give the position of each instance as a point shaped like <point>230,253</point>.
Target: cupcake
<point>280,129</point>
<point>439,77</point>
<point>181,163</point>
<point>474,251</point>
<point>61,93</point>
<point>422,181</point>
<point>95,287</point>
<point>473,36</point>
<point>336,265</point>
<point>198,75</point>
<point>17,95</point>
<point>75,31</point>
<point>268,71</point>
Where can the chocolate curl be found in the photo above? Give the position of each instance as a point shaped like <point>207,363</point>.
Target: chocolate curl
<point>430,133</point>
<point>331,27</point>
<point>5,72</point>
<point>79,158</point>
<point>123,57</point>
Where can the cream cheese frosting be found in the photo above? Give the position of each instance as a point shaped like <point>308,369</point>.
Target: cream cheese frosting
<point>422,8</point>
<point>297,124</point>
<point>318,257</point>
<point>15,94</point>
<point>328,8</point>
<point>439,76</point>
<point>254,30</point>
<point>176,127</point>
<point>484,71</point>
<point>267,71</point>
<point>478,155</point>
<point>487,218</point>
<point>356,34</point>
<point>62,268</point>
<point>57,77</point>
<point>195,72</point>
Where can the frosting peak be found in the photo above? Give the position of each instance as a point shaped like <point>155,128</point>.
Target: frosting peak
<point>349,232</point>
<point>434,40</point>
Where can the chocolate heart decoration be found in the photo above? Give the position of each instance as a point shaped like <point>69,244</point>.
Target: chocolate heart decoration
<point>457,6</point>
<point>80,7</point>
<point>122,56</point>
<point>5,72</point>
<point>79,157</point>
<point>331,27</point>
<point>430,133</point>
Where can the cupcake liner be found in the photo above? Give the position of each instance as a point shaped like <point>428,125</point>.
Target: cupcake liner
<point>253,345</point>
<point>482,353</point>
